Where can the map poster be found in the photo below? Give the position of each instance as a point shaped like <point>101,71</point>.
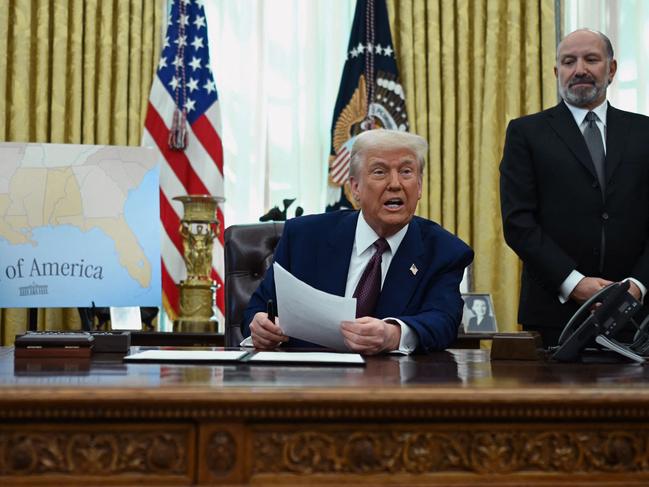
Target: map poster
<point>78,224</point>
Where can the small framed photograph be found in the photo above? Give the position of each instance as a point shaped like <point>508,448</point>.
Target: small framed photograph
<point>478,315</point>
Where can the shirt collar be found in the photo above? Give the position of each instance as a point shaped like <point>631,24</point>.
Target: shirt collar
<point>366,236</point>
<point>579,114</point>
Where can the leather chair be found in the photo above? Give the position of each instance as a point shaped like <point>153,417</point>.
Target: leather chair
<point>248,253</point>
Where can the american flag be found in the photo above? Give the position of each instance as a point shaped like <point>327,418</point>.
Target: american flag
<point>184,112</point>
<point>339,170</point>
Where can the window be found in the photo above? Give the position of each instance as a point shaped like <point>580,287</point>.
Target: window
<point>626,23</point>
<point>277,66</point>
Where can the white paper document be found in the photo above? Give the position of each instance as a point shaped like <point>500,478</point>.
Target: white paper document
<point>186,355</point>
<point>309,357</point>
<point>309,314</point>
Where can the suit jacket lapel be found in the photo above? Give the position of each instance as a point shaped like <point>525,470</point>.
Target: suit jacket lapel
<point>616,135</point>
<point>564,125</point>
<point>400,282</point>
<point>338,251</point>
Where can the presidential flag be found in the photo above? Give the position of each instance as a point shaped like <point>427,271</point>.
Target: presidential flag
<point>370,94</point>
<point>183,124</point>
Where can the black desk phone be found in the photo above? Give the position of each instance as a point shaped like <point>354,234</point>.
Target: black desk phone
<point>591,326</point>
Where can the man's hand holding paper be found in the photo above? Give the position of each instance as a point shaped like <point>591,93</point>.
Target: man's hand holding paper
<point>320,318</point>
<point>310,314</point>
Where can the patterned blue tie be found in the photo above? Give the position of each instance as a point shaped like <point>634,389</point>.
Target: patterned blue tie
<point>369,287</point>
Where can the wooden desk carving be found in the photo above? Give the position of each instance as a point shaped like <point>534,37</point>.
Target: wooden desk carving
<point>423,421</point>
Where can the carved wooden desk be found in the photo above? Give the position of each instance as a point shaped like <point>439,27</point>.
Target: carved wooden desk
<point>451,418</point>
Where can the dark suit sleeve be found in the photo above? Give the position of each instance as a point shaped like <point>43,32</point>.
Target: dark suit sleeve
<point>519,206</point>
<point>266,289</point>
<point>437,321</point>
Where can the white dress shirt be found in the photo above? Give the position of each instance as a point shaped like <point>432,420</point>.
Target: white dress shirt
<point>362,251</point>
<point>579,114</point>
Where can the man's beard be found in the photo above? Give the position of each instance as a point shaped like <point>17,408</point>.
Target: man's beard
<point>582,97</point>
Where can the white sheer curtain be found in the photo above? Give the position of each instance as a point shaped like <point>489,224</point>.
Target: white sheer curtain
<point>626,23</point>
<point>277,65</point>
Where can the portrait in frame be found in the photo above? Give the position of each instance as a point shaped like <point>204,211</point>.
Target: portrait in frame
<point>478,315</point>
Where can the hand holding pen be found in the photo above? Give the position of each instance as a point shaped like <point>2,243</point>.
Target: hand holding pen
<point>265,330</point>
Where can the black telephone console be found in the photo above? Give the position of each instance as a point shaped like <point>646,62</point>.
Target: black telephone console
<point>587,327</point>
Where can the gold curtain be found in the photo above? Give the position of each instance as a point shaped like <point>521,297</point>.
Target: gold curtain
<point>468,67</point>
<point>78,72</point>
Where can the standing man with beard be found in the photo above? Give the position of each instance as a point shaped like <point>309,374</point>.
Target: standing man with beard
<point>574,189</point>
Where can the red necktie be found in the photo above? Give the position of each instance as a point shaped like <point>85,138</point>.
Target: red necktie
<point>369,287</point>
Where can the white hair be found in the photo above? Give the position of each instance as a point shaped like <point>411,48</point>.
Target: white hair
<point>383,139</point>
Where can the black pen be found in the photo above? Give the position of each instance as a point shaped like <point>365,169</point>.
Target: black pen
<point>270,309</point>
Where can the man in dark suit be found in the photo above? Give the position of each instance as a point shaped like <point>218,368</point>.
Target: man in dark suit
<point>574,190</point>
<point>417,271</point>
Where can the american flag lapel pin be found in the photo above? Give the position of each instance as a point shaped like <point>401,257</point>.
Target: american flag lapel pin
<point>413,269</point>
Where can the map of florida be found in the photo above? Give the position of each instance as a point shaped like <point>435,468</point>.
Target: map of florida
<point>89,195</point>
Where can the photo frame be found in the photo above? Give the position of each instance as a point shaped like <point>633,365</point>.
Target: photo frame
<point>478,314</point>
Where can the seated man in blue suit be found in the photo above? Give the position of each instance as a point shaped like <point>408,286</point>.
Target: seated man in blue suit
<point>404,270</point>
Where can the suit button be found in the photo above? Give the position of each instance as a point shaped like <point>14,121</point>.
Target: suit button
<point>604,216</point>
<point>595,251</point>
<point>595,184</point>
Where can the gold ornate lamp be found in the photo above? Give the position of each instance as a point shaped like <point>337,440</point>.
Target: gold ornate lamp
<point>198,228</point>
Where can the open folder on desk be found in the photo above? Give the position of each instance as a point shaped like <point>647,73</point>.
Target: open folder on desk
<point>244,356</point>
<point>186,356</point>
<point>325,358</point>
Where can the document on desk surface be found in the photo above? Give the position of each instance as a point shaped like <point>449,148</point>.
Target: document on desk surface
<point>186,356</point>
<point>308,358</point>
<point>310,314</point>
